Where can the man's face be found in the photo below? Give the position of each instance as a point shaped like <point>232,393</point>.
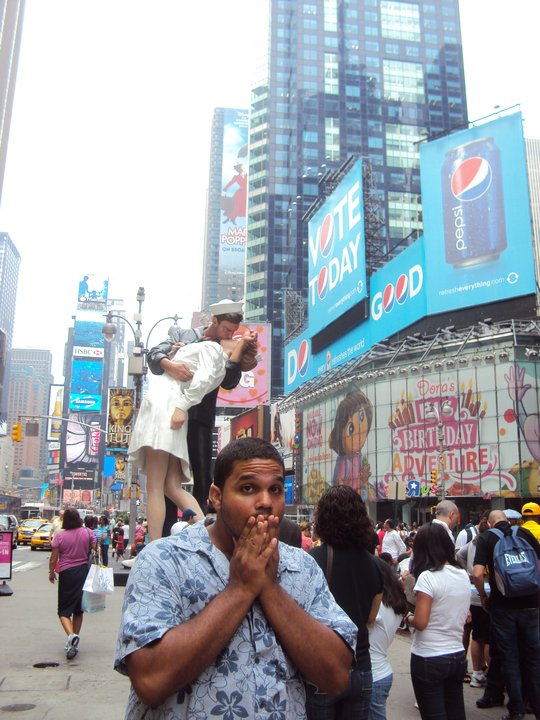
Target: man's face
<point>453,519</point>
<point>254,487</point>
<point>225,329</point>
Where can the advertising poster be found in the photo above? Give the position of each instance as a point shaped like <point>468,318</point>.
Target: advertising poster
<point>248,424</point>
<point>254,386</point>
<point>6,554</point>
<point>86,378</point>
<point>477,220</point>
<point>232,236</point>
<point>336,253</point>
<point>385,436</point>
<point>92,291</point>
<point>56,404</point>
<point>88,339</point>
<point>282,433</point>
<point>82,441</point>
<point>120,419</point>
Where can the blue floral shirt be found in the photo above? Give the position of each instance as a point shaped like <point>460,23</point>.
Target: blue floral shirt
<point>172,581</point>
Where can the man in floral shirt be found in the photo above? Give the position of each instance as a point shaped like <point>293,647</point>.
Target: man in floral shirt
<point>224,621</point>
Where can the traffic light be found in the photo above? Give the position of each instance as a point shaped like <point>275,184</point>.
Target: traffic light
<point>16,432</point>
<point>434,475</point>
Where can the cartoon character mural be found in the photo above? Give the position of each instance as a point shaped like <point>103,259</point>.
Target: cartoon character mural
<point>351,427</point>
<point>527,476</point>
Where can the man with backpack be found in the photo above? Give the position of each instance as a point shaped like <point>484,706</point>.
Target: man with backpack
<point>511,556</point>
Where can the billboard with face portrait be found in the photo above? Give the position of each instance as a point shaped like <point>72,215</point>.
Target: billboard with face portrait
<point>120,419</point>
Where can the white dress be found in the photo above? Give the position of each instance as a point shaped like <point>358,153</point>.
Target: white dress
<point>206,360</point>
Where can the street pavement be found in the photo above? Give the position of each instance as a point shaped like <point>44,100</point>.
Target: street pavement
<point>87,686</point>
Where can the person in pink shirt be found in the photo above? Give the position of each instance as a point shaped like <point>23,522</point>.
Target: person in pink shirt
<point>71,550</point>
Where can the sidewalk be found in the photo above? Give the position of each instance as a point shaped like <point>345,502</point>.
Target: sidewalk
<point>88,687</point>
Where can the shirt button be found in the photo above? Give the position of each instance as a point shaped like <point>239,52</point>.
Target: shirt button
<point>257,661</point>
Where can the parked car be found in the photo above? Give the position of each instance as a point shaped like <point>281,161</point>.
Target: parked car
<point>42,537</point>
<point>26,529</point>
<point>9,522</point>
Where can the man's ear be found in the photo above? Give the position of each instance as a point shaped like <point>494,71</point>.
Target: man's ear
<point>215,496</point>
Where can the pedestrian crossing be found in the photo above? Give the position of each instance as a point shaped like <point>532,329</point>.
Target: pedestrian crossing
<point>20,566</point>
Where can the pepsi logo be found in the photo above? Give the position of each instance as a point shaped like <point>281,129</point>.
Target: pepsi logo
<point>326,241</point>
<point>471,179</point>
<point>322,283</point>
<point>303,358</point>
<point>297,362</point>
<point>407,285</point>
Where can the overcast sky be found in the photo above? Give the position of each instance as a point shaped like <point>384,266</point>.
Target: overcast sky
<point>108,155</point>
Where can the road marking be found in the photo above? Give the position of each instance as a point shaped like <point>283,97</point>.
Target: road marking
<point>25,566</point>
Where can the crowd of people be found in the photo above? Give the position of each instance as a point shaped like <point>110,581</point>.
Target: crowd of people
<point>249,614</point>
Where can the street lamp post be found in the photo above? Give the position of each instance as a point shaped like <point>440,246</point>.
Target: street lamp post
<point>137,368</point>
<point>433,413</point>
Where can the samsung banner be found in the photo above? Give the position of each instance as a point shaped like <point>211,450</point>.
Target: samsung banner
<point>336,253</point>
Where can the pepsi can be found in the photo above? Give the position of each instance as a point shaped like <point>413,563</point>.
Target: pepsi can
<point>473,203</point>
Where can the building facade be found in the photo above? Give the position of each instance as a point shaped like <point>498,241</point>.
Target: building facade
<point>363,78</point>
<point>29,384</point>
<point>225,233</point>
<point>10,260</point>
<point>11,22</point>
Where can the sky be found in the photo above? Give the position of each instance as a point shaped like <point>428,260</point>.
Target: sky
<point>108,156</point>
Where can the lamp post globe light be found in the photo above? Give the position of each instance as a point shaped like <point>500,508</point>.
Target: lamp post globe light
<point>432,413</point>
<point>137,368</point>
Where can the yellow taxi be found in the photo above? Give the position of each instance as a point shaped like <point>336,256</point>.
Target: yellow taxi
<point>42,537</point>
<point>26,530</point>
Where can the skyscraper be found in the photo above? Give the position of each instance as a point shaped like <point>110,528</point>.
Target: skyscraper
<point>225,235</point>
<point>342,79</point>
<point>11,21</point>
<point>30,379</point>
<point>9,275</point>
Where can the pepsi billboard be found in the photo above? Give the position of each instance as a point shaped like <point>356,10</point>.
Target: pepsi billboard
<point>397,299</point>
<point>477,221</point>
<point>336,253</point>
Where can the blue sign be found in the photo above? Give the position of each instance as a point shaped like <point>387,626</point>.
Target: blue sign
<point>336,253</point>
<point>398,293</point>
<point>477,221</point>
<point>86,378</point>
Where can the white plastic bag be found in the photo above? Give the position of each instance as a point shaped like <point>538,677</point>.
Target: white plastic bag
<point>99,580</point>
<point>93,602</point>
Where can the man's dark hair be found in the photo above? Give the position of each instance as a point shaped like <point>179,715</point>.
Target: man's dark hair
<point>234,318</point>
<point>71,519</point>
<point>341,519</point>
<point>432,549</point>
<point>390,523</point>
<point>243,449</point>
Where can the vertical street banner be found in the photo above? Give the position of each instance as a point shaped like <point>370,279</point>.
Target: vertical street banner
<point>120,419</point>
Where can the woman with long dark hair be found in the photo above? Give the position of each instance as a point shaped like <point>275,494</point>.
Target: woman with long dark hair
<point>381,634</point>
<point>438,661</point>
<point>71,549</point>
<point>354,577</point>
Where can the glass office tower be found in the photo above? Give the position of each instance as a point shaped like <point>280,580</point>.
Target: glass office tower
<point>341,79</point>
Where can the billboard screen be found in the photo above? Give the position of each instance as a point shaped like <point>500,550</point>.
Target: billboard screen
<point>120,419</point>
<point>477,221</point>
<point>92,291</point>
<point>336,253</point>
<point>248,424</point>
<point>86,379</point>
<point>254,386</point>
<point>56,404</point>
<point>88,339</point>
<point>82,440</point>
<point>232,236</point>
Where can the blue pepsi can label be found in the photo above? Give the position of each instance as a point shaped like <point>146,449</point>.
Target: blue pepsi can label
<point>473,204</point>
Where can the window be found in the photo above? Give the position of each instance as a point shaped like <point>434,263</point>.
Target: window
<point>330,15</point>
<point>331,79</point>
<point>400,20</point>
<point>401,150</point>
<point>403,81</point>
<point>331,138</point>
<point>404,214</point>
